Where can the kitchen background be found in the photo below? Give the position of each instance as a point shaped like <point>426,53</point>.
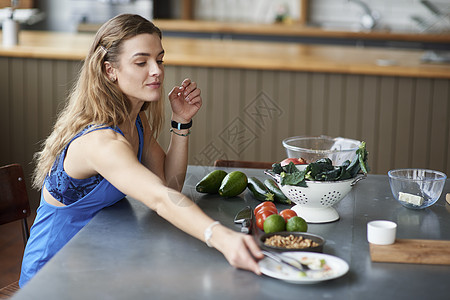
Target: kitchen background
<point>398,15</point>
<point>395,15</point>
<point>402,117</point>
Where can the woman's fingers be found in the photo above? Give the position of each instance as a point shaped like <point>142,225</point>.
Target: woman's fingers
<point>193,97</point>
<point>244,254</point>
<point>175,92</point>
<point>255,252</point>
<point>253,247</point>
<point>188,90</point>
<point>185,100</point>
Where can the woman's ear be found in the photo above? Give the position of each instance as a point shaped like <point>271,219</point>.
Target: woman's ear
<point>110,71</point>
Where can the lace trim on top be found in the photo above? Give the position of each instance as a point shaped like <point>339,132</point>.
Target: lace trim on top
<point>68,190</point>
<point>64,188</point>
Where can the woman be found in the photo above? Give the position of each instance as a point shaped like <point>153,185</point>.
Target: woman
<point>104,147</point>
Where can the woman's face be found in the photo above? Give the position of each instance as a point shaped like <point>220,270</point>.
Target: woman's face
<point>140,73</point>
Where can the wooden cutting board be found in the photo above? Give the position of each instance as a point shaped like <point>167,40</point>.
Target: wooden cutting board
<point>436,252</point>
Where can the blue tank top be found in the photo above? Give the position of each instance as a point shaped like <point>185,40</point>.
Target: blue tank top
<point>54,226</point>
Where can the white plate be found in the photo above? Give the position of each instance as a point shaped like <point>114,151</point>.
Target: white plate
<point>273,269</point>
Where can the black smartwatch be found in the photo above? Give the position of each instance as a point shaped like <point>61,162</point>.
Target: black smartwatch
<point>180,126</point>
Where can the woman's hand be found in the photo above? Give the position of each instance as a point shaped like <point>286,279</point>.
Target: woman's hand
<point>185,101</point>
<point>239,249</point>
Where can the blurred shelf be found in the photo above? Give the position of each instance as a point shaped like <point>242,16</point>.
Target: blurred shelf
<point>295,30</point>
<point>296,33</point>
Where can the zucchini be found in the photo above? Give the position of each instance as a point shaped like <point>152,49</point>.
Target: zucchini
<point>259,190</point>
<point>272,186</point>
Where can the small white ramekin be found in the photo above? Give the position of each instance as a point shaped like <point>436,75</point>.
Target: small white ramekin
<point>381,232</point>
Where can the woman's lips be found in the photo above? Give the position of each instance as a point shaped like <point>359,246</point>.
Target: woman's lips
<point>154,85</point>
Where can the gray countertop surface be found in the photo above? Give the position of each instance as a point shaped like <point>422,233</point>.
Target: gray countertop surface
<point>128,252</point>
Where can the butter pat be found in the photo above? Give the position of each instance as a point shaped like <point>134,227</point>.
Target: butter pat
<point>410,198</point>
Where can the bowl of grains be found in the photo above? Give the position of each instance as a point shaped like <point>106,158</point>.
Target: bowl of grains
<point>291,241</point>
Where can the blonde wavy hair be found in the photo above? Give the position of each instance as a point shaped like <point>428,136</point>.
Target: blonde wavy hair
<point>95,99</point>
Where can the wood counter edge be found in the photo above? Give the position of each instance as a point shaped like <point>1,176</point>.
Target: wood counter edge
<point>60,46</point>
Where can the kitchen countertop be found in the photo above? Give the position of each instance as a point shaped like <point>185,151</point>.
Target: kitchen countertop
<point>128,252</point>
<point>246,55</point>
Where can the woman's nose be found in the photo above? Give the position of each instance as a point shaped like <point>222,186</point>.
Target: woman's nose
<point>155,69</point>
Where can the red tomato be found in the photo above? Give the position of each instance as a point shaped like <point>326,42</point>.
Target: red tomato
<point>287,214</point>
<point>296,161</point>
<point>262,216</point>
<point>267,208</point>
<point>264,204</point>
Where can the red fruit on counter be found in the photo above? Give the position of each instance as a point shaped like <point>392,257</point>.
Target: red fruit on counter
<point>262,216</point>
<point>264,205</point>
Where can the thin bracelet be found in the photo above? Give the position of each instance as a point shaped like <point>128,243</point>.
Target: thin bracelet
<point>208,232</point>
<point>180,134</point>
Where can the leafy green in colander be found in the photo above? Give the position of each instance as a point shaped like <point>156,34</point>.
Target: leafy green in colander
<point>323,169</point>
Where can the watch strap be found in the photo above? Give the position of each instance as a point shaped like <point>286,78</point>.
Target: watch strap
<point>180,126</point>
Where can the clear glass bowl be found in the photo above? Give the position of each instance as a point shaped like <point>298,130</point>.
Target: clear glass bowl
<point>416,188</point>
<point>312,148</point>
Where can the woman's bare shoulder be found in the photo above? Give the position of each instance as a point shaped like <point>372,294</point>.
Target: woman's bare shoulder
<point>98,140</point>
<point>87,153</point>
<point>103,134</point>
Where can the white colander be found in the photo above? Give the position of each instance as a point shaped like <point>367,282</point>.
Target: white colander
<point>314,202</point>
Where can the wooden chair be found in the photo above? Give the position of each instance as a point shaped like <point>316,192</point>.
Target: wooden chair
<point>242,164</point>
<point>14,206</point>
<point>9,290</point>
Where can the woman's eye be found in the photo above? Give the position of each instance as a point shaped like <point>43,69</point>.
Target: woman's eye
<point>160,62</point>
<point>141,64</point>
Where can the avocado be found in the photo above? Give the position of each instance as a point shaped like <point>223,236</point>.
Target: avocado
<point>210,184</point>
<point>233,184</point>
